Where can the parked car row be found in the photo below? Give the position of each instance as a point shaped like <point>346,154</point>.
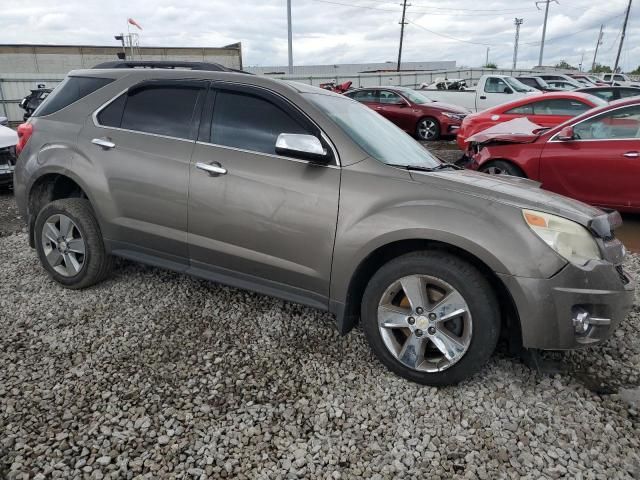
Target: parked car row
<point>305,194</point>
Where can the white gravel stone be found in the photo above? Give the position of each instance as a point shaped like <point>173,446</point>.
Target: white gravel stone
<point>154,374</point>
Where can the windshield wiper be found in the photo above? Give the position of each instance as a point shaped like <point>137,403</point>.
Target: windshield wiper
<point>442,166</point>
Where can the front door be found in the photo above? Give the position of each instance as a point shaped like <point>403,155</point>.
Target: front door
<point>395,108</point>
<point>141,145</point>
<point>268,221</point>
<point>601,166</point>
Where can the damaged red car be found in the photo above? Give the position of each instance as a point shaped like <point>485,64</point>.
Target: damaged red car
<point>546,109</point>
<point>594,157</point>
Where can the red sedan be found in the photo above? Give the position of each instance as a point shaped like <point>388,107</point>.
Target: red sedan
<point>594,157</point>
<point>412,111</point>
<point>547,110</point>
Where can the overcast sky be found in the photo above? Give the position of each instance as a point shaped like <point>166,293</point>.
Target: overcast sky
<point>338,31</point>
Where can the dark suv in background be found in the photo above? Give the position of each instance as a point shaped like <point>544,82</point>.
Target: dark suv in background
<point>293,191</point>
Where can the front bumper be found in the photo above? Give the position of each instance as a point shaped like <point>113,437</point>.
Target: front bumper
<point>7,165</point>
<point>546,307</point>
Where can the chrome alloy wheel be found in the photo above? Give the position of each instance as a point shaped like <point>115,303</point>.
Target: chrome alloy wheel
<point>63,245</point>
<point>425,323</point>
<point>427,129</point>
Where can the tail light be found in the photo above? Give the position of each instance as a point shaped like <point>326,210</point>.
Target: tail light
<point>25,130</point>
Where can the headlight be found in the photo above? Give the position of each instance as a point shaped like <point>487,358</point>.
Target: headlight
<point>569,239</point>
<point>455,116</point>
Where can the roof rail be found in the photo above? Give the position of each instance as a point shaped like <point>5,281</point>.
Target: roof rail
<point>171,65</point>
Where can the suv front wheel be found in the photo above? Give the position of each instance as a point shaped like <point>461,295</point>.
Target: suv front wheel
<point>69,243</point>
<point>431,317</point>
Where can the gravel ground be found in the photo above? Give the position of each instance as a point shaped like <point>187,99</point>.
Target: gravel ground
<point>10,221</point>
<point>153,374</point>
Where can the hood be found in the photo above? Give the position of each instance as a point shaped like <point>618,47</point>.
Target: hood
<point>518,130</point>
<point>447,107</point>
<point>513,191</point>
<point>8,137</point>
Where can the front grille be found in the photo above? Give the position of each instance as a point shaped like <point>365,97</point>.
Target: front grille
<point>623,277</point>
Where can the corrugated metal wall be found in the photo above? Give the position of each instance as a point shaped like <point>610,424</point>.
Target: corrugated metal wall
<point>14,87</point>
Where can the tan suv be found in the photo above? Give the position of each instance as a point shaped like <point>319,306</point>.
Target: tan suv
<point>297,192</point>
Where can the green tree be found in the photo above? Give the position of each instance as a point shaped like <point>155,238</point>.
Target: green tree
<point>601,69</point>
<point>636,71</point>
<point>490,65</point>
<point>565,65</point>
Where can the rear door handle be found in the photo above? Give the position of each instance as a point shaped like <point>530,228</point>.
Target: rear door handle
<point>632,154</point>
<point>103,142</point>
<point>214,169</point>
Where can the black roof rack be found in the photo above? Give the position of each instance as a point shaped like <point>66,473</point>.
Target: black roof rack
<point>171,65</point>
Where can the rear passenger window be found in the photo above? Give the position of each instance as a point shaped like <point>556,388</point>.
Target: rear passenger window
<point>111,115</point>
<point>70,90</point>
<point>162,109</point>
<point>250,122</point>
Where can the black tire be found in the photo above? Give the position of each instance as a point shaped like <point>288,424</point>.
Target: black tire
<point>468,281</point>
<point>430,137</point>
<point>96,263</point>
<point>502,167</point>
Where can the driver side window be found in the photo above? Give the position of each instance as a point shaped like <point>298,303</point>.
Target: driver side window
<point>618,124</point>
<point>496,85</point>
<point>390,97</point>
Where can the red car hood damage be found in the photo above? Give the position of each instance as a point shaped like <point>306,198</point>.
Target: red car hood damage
<point>518,130</point>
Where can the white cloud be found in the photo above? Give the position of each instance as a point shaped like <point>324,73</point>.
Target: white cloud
<point>330,33</point>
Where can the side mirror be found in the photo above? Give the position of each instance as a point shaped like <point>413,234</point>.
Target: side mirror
<point>302,146</point>
<point>566,134</point>
<point>401,104</point>
<point>4,121</point>
<point>507,90</point>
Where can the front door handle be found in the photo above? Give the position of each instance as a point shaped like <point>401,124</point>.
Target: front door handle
<point>483,97</point>
<point>104,143</point>
<point>632,154</point>
<point>214,169</point>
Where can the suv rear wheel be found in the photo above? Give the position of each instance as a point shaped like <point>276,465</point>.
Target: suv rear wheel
<point>431,317</point>
<point>69,243</point>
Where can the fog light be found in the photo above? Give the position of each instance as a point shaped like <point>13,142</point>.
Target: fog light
<point>581,320</point>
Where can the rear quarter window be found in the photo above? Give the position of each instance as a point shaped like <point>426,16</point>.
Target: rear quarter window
<point>69,91</point>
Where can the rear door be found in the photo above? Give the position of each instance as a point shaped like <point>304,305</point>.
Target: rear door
<point>601,166</point>
<point>269,222</point>
<point>140,144</point>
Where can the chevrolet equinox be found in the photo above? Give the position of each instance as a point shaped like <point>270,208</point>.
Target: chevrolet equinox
<point>300,193</point>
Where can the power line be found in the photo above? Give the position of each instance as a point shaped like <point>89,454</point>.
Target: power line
<point>548,40</point>
<point>384,2</point>
<point>452,38</point>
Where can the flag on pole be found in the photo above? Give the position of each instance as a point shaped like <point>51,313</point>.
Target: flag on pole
<point>133,22</point>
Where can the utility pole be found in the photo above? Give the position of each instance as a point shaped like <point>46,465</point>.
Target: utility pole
<point>624,30</point>
<point>517,23</point>
<point>402,24</point>
<point>486,62</point>
<point>544,26</point>
<point>290,37</point>
<point>598,43</point>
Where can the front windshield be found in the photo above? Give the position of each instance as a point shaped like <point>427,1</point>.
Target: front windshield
<point>377,136</point>
<point>414,96</point>
<point>518,86</point>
